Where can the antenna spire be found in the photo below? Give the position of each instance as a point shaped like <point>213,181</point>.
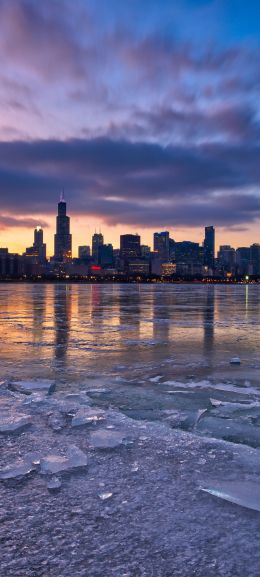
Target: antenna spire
<point>62,199</point>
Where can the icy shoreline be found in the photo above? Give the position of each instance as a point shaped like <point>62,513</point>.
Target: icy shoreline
<point>86,491</point>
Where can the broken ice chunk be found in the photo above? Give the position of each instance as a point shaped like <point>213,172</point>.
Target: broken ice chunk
<point>215,402</point>
<point>106,439</point>
<point>155,379</point>
<point>56,421</point>
<point>244,493</point>
<point>80,398</point>
<point>54,484</point>
<point>19,468</point>
<point>249,458</point>
<point>105,496</point>
<point>235,361</point>
<point>87,416</point>
<point>14,423</point>
<point>28,387</point>
<point>53,464</point>
<point>244,410</point>
<point>199,415</point>
<point>235,430</point>
<point>71,403</point>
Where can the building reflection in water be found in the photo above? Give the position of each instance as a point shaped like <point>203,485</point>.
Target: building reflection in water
<point>62,319</point>
<point>129,310</point>
<point>97,302</point>
<point>38,313</point>
<point>208,321</point>
<point>163,309</point>
<point>246,300</point>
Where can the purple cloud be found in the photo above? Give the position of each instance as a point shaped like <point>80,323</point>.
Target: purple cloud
<point>12,222</point>
<point>135,183</point>
<point>139,123</point>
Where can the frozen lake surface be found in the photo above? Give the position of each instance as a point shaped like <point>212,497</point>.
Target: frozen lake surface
<point>156,352</point>
<point>129,440</point>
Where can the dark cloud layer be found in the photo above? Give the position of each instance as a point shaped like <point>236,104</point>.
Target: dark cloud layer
<point>10,222</point>
<point>133,183</point>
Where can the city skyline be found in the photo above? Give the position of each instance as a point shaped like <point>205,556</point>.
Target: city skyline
<point>50,236</point>
<point>144,125</point>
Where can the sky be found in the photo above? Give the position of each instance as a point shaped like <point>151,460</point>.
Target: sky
<point>146,113</point>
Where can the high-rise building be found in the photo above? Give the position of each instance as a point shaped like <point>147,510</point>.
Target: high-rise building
<point>187,252</point>
<point>84,252</point>
<point>106,256</point>
<point>161,245</point>
<point>130,246</point>
<point>62,238</point>
<point>97,241</point>
<point>39,245</point>
<point>227,258</point>
<point>37,252</point>
<point>255,259</point>
<point>38,236</point>
<point>242,260</point>
<point>11,265</point>
<point>209,247</point>
<point>171,249</point>
<point>145,251</point>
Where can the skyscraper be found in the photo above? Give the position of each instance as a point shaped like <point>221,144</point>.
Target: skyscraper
<point>39,245</point>
<point>243,260</point>
<point>84,252</point>
<point>227,258</point>
<point>62,238</point>
<point>161,245</point>
<point>38,236</point>
<point>106,256</point>
<point>187,252</point>
<point>130,246</point>
<point>97,241</point>
<point>209,247</point>
<point>37,252</point>
<point>255,259</point>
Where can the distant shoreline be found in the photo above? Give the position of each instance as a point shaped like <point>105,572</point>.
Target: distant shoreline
<point>131,281</point>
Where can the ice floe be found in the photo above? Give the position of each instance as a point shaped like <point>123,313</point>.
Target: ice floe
<point>107,439</point>
<point>235,361</point>
<point>54,484</point>
<point>14,423</point>
<point>87,416</point>
<point>18,469</point>
<point>244,493</point>
<point>28,387</point>
<point>105,496</point>
<point>53,463</point>
<point>56,421</point>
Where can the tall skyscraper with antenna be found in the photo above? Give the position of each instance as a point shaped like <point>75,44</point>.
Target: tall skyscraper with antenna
<point>62,238</point>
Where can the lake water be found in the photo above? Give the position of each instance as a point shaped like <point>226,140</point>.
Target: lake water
<point>155,352</point>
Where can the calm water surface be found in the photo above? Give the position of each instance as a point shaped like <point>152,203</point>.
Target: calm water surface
<point>142,348</point>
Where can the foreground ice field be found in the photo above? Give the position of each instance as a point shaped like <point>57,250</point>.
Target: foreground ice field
<point>87,491</point>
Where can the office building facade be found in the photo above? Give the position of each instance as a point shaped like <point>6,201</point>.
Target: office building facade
<point>161,245</point>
